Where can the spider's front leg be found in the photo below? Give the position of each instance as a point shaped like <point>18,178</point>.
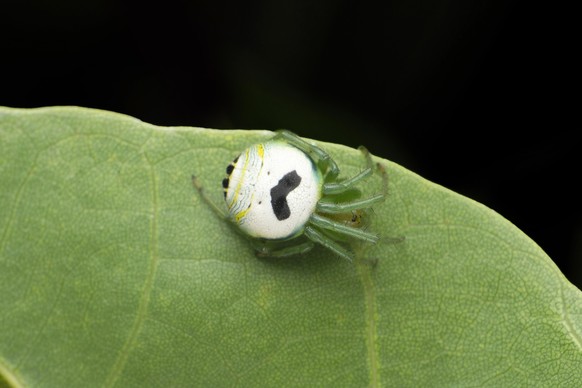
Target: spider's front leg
<point>322,158</point>
<point>344,185</point>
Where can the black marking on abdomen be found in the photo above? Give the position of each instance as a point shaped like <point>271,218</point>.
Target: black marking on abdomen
<point>229,170</point>
<point>279,193</point>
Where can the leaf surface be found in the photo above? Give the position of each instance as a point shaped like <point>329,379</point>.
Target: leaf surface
<point>113,272</point>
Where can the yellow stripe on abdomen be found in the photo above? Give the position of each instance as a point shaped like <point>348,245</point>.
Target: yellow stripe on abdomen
<point>241,179</point>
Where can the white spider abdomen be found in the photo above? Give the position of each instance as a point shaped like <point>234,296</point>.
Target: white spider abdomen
<point>272,190</point>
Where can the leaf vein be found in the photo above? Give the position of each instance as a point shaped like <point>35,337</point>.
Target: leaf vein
<point>142,310</point>
<point>567,322</point>
<point>371,330</point>
<point>15,205</point>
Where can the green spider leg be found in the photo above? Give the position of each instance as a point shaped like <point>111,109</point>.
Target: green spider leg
<point>338,208</point>
<point>327,242</point>
<point>343,186</point>
<point>326,231</point>
<point>339,227</point>
<point>265,248</point>
<point>329,165</point>
<point>217,209</point>
<point>340,187</point>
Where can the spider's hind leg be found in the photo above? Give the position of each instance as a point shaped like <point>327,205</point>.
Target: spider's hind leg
<point>317,236</point>
<point>217,209</point>
<point>265,248</point>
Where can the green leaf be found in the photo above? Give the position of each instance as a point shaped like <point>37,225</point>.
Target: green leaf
<point>114,272</point>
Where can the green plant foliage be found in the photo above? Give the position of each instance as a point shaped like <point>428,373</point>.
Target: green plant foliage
<point>113,272</point>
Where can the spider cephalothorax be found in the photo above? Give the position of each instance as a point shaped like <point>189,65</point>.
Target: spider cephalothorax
<point>285,195</point>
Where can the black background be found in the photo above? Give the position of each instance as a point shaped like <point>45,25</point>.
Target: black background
<point>479,96</point>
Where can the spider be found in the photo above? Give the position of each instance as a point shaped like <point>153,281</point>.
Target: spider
<point>285,196</point>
